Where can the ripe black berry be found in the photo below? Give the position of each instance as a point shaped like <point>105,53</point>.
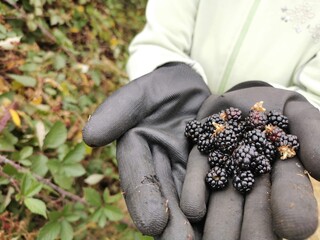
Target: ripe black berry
<point>208,125</point>
<point>205,142</point>
<point>244,156</point>
<point>193,130</point>
<point>231,114</point>
<point>225,138</point>
<point>262,165</point>
<point>288,145</point>
<point>217,178</point>
<point>257,117</point>
<point>243,181</point>
<point>217,159</point>
<point>276,118</point>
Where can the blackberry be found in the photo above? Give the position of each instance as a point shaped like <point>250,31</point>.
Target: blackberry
<point>274,133</point>
<point>262,165</point>
<point>230,167</point>
<point>259,139</point>
<point>193,130</point>
<point>244,156</point>
<point>205,142</point>
<point>243,181</point>
<point>257,117</point>
<point>270,151</point>
<point>208,124</point>
<point>217,159</point>
<point>288,145</point>
<point>225,138</point>
<point>231,114</point>
<point>217,178</point>
<point>238,128</point>
<point>276,118</point>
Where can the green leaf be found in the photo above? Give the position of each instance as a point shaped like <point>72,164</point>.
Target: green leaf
<point>29,186</point>
<point>63,181</point>
<point>26,81</point>
<point>92,197</point>
<point>56,136</point>
<point>25,152</point>
<point>60,61</point>
<point>6,146</point>
<point>36,206</point>
<point>50,231</point>
<point>73,170</point>
<point>7,199</point>
<point>7,141</point>
<point>29,67</point>
<point>39,165</point>
<point>111,199</point>
<point>112,213</point>
<point>66,232</point>
<point>76,154</point>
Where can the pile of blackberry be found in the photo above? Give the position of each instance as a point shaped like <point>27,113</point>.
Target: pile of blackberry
<point>242,148</point>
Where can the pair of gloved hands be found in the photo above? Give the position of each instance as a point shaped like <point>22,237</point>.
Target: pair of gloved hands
<point>163,182</point>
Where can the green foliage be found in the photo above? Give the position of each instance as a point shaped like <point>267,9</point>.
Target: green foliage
<point>59,59</point>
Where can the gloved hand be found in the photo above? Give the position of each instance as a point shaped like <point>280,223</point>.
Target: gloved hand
<point>147,117</point>
<point>280,205</point>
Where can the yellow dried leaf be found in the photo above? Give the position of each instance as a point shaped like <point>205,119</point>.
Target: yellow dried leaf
<point>80,9</point>
<point>15,117</point>
<point>37,100</point>
<point>74,30</point>
<point>114,42</point>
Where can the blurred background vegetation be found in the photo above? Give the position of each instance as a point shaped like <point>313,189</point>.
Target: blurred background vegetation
<point>59,59</point>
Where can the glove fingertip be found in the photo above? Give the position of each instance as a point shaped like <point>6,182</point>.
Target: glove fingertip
<point>194,193</point>
<point>148,209</point>
<point>294,207</point>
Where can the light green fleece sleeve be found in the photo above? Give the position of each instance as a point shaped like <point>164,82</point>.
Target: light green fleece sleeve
<point>307,81</point>
<point>166,37</point>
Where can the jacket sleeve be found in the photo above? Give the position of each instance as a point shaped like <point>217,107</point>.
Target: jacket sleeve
<point>307,80</point>
<point>166,37</point>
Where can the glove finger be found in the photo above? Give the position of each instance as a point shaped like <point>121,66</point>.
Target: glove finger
<point>178,227</point>
<point>293,204</point>
<point>195,194</point>
<point>171,90</point>
<point>118,113</point>
<point>304,122</point>
<point>224,216</point>
<point>257,219</point>
<point>139,182</point>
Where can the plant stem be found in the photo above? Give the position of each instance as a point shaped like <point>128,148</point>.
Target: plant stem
<point>62,192</point>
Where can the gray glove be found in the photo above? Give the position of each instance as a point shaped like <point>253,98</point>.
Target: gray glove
<point>281,205</point>
<point>148,118</point>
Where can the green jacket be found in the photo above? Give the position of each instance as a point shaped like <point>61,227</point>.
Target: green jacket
<point>228,42</point>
